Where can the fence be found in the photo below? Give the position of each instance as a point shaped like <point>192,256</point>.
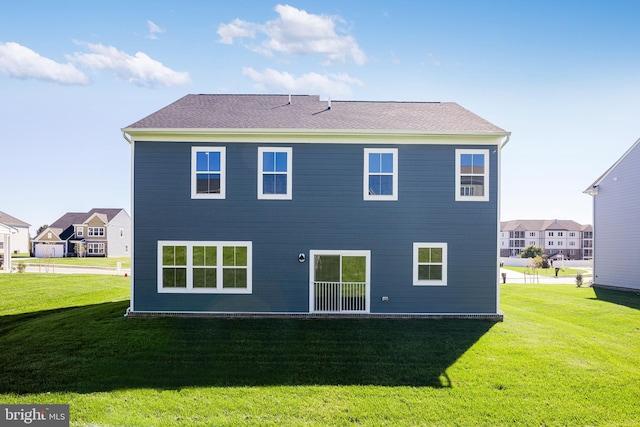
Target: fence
<point>340,296</point>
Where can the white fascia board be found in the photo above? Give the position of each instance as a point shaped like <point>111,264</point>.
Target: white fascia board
<point>338,136</point>
<point>7,229</point>
<point>593,188</point>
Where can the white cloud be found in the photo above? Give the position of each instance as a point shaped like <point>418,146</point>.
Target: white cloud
<point>328,85</point>
<point>297,33</point>
<point>23,63</point>
<point>236,29</point>
<point>139,69</point>
<point>153,30</point>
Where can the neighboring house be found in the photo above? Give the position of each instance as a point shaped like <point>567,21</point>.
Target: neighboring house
<point>276,205</point>
<point>6,233</point>
<point>560,239</point>
<point>19,241</point>
<point>99,232</point>
<point>616,223</point>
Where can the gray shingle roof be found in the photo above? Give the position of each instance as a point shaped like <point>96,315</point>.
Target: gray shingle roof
<point>541,224</point>
<point>7,219</point>
<point>309,112</point>
<point>70,218</point>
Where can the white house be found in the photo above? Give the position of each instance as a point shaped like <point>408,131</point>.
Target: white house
<point>14,238</point>
<point>616,222</point>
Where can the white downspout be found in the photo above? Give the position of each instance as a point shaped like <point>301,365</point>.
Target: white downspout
<point>499,278</point>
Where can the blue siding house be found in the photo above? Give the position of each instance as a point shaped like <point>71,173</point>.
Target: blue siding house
<point>290,205</point>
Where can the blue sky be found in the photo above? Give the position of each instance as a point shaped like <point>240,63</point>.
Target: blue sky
<point>563,77</point>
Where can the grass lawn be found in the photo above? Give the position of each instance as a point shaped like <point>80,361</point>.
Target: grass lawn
<point>125,262</point>
<point>564,356</point>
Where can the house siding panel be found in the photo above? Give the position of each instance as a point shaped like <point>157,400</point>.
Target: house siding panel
<point>327,212</point>
<point>616,222</point>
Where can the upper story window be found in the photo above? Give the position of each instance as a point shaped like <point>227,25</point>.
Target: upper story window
<point>96,231</point>
<point>208,172</point>
<point>380,174</point>
<point>79,232</point>
<point>472,175</point>
<point>275,173</point>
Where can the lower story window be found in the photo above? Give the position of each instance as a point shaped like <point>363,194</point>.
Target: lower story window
<point>204,267</point>
<point>429,264</point>
<point>95,248</point>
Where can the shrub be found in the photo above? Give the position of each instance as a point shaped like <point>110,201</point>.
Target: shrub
<point>21,267</point>
<point>540,262</point>
<point>579,279</point>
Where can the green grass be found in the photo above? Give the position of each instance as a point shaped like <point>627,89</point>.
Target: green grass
<point>564,356</point>
<point>102,262</point>
<point>551,271</point>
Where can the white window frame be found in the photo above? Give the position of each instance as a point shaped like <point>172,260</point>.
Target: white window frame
<point>289,173</point>
<point>223,173</point>
<point>92,246</point>
<point>419,245</point>
<point>189,289</point>
<point>95,232</point>
<point>341,253</point>
<point>365,179</point>
<point>79,232</point>
<point>458,173</point>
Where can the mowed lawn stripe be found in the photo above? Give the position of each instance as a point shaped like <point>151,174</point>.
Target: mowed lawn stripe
<point>563,356</point>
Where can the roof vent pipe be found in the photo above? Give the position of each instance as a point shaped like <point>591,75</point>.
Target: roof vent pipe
<point>289,99</point>
<point>329,104</point>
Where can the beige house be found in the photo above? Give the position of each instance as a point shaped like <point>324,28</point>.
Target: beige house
<point>99,232</point>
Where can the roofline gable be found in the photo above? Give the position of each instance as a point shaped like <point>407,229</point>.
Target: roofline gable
<point>7,229</point>
<point>49,229</point>
<point>592,190</point>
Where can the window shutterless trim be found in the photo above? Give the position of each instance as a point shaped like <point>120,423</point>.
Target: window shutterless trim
<point>366,193</point>
<point>222,172</point>
<point>219,266</point>
<point>416,264</point>
<point>459,174</point>
<point>288,195</point>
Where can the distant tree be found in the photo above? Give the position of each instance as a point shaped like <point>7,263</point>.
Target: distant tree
<point>531,251</point>
<point>41,229</point>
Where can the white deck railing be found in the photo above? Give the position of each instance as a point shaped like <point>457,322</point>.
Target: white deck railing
<point>340,296</point>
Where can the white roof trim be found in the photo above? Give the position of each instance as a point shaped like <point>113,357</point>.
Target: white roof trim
<point>593,188</point>
<point>7,229</point>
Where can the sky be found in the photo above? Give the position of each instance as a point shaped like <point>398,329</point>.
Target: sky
<point>562,76</point>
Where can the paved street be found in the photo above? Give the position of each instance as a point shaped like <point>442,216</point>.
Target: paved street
<point>516,277</point>
<point>63,269</point>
